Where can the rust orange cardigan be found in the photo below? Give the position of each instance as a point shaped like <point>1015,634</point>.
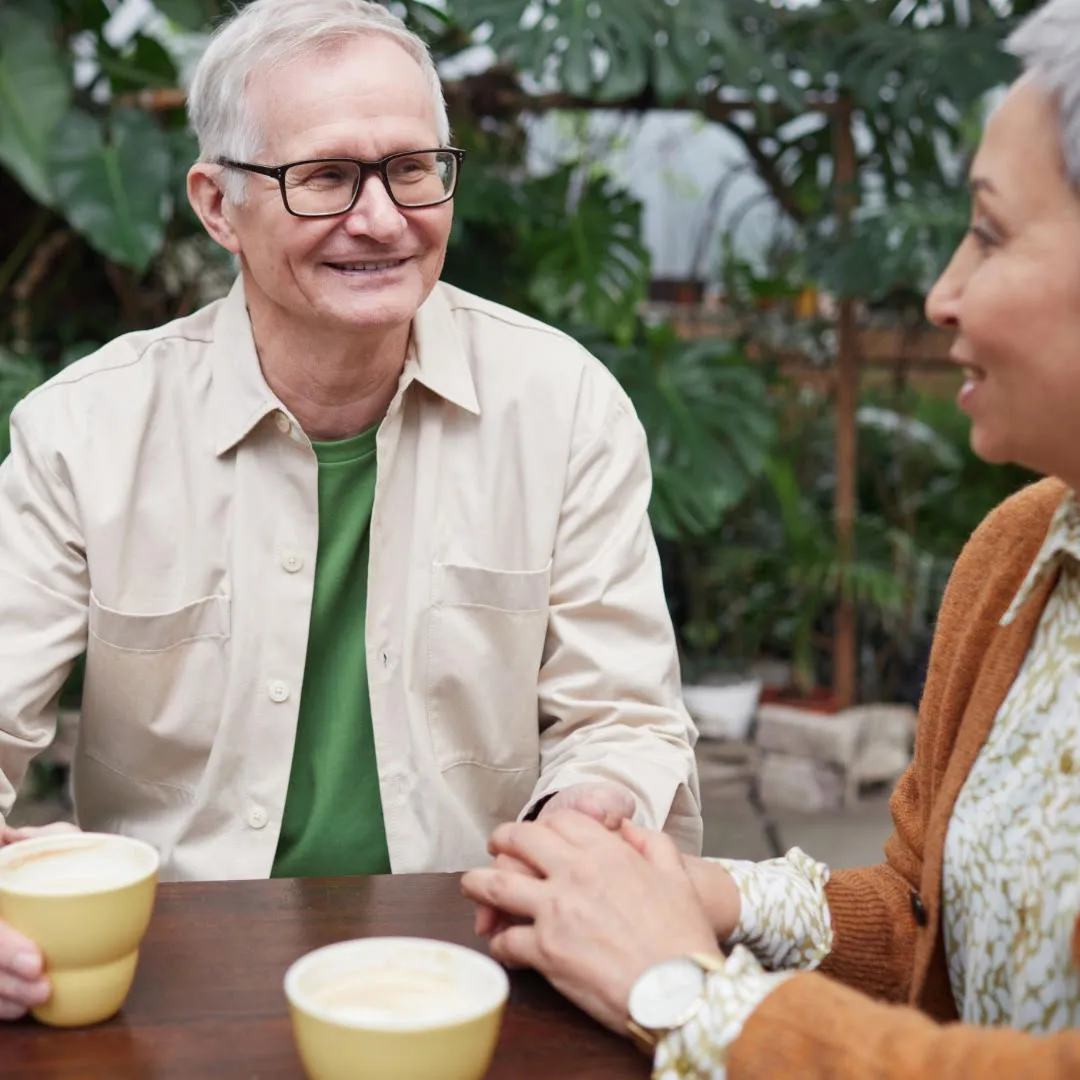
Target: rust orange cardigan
<point>882,1005</point>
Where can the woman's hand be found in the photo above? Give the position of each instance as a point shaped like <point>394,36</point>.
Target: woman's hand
<point>595,909</point>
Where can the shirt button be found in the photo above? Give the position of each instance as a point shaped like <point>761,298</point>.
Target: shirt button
<point>1067,763</point>
<point>292,562</point>
<point>278,690</point>
<point>257,817</point>
<point>284,424</point>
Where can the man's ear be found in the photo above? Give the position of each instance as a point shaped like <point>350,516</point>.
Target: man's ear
<point>207,199</point>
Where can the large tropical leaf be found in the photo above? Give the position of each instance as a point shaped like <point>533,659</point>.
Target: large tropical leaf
<point>588,263</point>
<point>191,14</point>
<point>704,37</point>
<point>112,181</point>
<point>710,427</point>
<point>592,47</point>
<point>35,93</point>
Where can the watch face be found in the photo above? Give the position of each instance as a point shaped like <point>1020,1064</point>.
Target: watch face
<point>666,995</point>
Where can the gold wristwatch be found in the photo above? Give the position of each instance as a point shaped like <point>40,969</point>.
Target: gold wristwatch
<point>667,995</point>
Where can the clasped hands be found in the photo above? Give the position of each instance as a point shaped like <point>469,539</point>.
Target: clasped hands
<point>591,900</point>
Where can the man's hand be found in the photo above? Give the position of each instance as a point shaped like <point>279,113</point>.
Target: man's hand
<point>22,981</point>
<point>610,804</point>
<point>605,802</point>
<point>599,907</point>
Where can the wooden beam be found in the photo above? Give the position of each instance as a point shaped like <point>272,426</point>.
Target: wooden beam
<point>496,93</point>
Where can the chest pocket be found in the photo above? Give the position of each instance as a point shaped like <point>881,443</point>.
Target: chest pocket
<point>154,689</point>
<point>486,643</point>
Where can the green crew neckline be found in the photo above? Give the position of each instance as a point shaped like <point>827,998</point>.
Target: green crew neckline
<point>354,448</point>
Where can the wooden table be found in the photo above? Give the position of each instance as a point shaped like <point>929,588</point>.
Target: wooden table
<point>208,1003</point>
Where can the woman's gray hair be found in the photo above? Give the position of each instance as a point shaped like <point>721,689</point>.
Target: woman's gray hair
<point>1048,43</point>
<point>267,34</point>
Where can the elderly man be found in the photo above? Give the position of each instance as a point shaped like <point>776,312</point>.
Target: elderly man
<point>360,563</point>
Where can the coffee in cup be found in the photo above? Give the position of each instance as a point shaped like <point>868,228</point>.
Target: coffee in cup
<point>396,1009</point>
<point>85,900</point>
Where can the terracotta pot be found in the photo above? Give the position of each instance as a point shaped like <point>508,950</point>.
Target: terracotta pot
<point>820,699</point>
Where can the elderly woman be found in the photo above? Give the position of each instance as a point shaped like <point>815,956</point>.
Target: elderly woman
<point>973,916</point>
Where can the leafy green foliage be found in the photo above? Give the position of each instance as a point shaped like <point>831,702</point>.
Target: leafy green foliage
<point>710,427</point>
<point>588,263</point>
<point>111,180</point>
<point>593,48</point>
<point>18,376</point>
<point>35,91</point>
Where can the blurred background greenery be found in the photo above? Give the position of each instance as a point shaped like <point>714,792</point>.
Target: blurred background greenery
<point>728,364</point>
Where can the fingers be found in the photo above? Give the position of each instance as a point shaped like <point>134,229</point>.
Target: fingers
<point>606,803</point>
<point>516,946</point>
<point>19,956</point>
<point>9,1010</point>
<point>10,835</point>
<point>610,806</point>
<point>485,921</point>
<point>22,981</point>
<point>512,894</point>
<point>658,848</point>
<point>17,995</point>
<point>488,920</point>
<point>537,846</point>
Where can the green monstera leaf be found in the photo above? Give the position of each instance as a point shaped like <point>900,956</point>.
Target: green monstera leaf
<point>588,264</point>
<point>113,181</point>
<point>593,47</point>
<point>710,425</point>
<point>35,94</point>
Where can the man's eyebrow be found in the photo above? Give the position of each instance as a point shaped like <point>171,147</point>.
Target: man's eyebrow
<point>982,183</point>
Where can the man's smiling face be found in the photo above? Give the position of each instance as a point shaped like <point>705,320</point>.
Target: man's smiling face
<point>367,271</point>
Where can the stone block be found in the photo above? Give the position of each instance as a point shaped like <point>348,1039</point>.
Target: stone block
<point>888,725</point>
<point>829,738</point>
<point>788,782</point>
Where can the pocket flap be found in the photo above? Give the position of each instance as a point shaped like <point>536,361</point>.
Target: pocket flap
<point>204,618</point>
<point>507,590</point>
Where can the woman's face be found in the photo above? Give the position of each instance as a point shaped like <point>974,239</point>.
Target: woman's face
<point>1012,293</point>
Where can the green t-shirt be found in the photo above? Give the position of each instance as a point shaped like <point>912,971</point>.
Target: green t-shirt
<point>333,821</point>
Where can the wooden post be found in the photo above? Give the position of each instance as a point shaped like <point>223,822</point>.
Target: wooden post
<point>845,658</point>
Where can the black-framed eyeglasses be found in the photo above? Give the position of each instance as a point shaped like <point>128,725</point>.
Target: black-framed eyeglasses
<point>326,187</point>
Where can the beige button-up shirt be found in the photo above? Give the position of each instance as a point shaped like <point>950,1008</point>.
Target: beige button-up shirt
<point>159,510</point>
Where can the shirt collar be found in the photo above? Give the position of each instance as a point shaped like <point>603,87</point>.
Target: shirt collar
<point>438,358</point>
<point>1062,544</point>
<point>241,396</point>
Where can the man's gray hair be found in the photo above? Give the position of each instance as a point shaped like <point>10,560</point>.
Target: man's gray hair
<point>1048,42</point>
<point>265,35</point>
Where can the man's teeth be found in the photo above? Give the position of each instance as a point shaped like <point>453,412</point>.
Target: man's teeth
<point>387,265</point>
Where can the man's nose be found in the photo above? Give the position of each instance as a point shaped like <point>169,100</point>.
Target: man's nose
<point>374,213</point>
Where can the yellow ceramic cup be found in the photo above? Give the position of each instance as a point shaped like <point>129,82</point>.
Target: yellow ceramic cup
<point>396,1009</point>
<point>85,899</point>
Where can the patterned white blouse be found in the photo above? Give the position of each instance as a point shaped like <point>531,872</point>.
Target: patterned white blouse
<point>1011,876</point>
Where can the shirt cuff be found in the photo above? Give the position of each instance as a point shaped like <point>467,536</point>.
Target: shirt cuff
<point>784,918</point>
<point>699,1049</point>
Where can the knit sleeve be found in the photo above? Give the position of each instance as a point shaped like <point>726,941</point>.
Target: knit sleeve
<point>813,1028</point>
